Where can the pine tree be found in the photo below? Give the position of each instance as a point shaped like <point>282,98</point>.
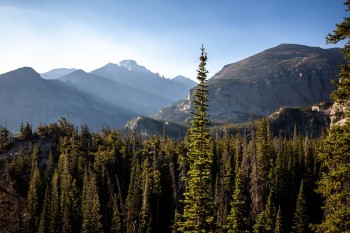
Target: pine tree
<point>342,93</point>
<point>301,220</point>
<point>33,199</point>
<point>55,210</point>
<point>69,199</point>
<point>49,167</point>
<point>4,138</point>
<point>270,212</point>
<point>279,223</point>
<point>335,150</point>
<point>225,175</point>
<point>334,183</point>
<point>44,218</point>
<point>266,219</point>
<point>264,158</point>
<point>90,205</point>
<point>133,198</point>
<point>198,209</point>
<point>116,222</point>
<point>145,212</point>
<point>238,218</point>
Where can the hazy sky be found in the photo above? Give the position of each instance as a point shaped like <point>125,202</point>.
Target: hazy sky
<point>163,35</point>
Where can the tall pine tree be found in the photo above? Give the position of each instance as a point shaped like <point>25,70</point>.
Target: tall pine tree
<point>301,220</point>
<point>198,210</point>
<point>90,205</point>
<point>335,150</point>
<point>238,218</point>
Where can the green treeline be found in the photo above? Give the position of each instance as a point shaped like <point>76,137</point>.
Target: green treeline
<point>109,182</point>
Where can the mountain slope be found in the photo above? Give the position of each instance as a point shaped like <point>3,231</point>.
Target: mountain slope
<point>148,127</point>
<point>309,121</point>
<point>286,75</point>
<point>138,101</point>
<point>138,77</point>
<point>56,73</point>
<point>25,96</point>
<point>184,81</point>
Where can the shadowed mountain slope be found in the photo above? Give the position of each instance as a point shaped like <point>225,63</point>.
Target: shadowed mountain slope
<point>26,97</point>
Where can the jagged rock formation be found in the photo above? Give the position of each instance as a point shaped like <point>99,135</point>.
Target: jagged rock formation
<point>337,114</point>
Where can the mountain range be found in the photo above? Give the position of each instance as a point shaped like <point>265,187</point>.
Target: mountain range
<point>84,98</point>
<point>126,84</point>
<point>287,75</point>
<point>26,97</point>
<point>56,73</point>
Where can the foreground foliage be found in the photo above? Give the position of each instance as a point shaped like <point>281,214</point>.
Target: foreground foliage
<point>61,180</point>
<point>198,205</point>
<point>334,185</point>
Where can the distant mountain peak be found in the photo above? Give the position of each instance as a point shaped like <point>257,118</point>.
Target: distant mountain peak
<point>127,63</point>
<point>132,65</point>
<point>179,77</point>
<point>80,71</point>
<point>56,73</point>
<point>60,70</point>
<point>184,80</point>
<point>285,75</point>
<point>23,73</point>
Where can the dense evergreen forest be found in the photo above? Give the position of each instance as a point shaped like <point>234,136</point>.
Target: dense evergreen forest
<point>108,182</point>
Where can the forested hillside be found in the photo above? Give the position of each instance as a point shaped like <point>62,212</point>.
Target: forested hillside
<point>60,180</point>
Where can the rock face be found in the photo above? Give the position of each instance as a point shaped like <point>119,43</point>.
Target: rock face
<point>337,114</point>
<point>311,121</point>
<point>148,127</point>
<point>286,75</point>
<point>26,97</point>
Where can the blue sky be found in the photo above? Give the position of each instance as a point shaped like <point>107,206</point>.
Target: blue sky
<point>163,35</point>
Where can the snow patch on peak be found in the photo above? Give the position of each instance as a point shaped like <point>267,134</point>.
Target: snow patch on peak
<point>128,63</point>
<point>132,65</point>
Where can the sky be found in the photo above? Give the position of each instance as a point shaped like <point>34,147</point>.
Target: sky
<point>165,36</point>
